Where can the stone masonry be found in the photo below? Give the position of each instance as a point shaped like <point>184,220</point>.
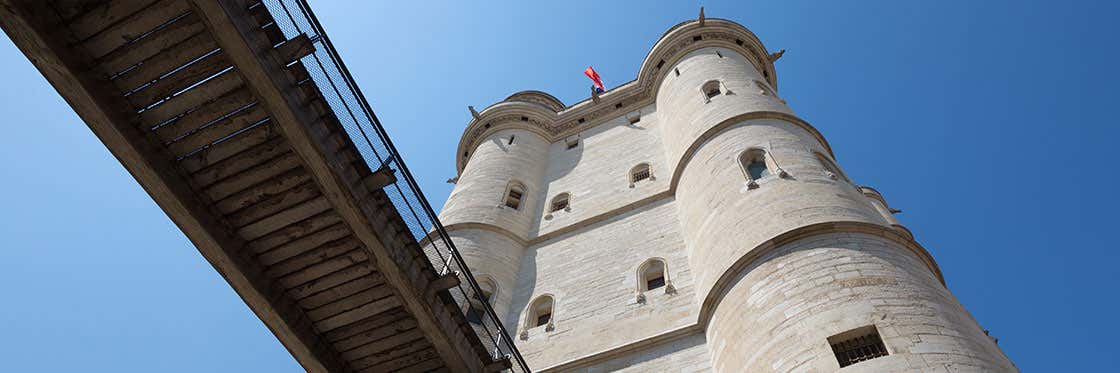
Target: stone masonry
<point>771,256</point>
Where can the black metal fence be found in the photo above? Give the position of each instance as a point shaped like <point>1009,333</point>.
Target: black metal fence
<point>328,71</point>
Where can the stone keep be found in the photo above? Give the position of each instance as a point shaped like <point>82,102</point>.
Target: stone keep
<point>769,257</point>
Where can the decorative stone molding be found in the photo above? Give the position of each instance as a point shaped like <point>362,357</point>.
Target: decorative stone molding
<point>758,253</point>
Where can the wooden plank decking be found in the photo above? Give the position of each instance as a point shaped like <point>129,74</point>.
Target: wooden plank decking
<point>238,148</point>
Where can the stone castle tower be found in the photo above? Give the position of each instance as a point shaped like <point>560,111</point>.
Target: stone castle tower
<point>689,221</point>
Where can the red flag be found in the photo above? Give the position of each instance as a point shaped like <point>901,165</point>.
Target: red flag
<point>590,72</point>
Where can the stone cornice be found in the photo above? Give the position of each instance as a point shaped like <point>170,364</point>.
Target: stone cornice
<point>556,122</point>
<point>758,253</point>
<point>717,129</point>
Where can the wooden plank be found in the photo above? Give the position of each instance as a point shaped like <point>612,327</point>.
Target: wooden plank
<point>229,146</point>
<point>30,27</point>
<point>284,218</point>
<point>403,361</point>
<point>348,303</point>
<point>310,257</point>
<point>295,49</point>
<point>294,232</point>
<point>288,199</point>
<point>134,26</point>
<point>215,109</point>
<point>382,349</point>
<point>430,365</point>
<point>327,266</point>
<point>104,16</point>
<point>395,257</point>
<point>274,34</point>
<point>340,291</point>
<point>147,49</point>
<point>304,244</point>
<point>370,334</point>
<point>194,97</point>
<point>167,59</point>
<point>263,191</point>
<point>334,279</point>
<point>383,319</point>
<point>68,10</point>
<point>180,80</point>
<point>358,313</point>
<point>243,161</point>
<point>206,136</point>
<point>257,174</point>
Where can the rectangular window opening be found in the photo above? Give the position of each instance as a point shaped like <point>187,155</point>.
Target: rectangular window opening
<point>543,319</point>
<point>655,282</point>
<point>635,119</point>
<point>856,345</point>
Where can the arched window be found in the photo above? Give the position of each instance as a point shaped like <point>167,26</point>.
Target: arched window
<point>514,193</point>
<point>540,312</point>
<point>653,275</point>
<point>476,310</point>
<point>830,168</point>
<point>560,202</point>
<point>711,89</point>
<point>639,173</point>
<point>753,163</point>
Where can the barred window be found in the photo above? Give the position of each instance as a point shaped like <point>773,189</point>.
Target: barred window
<point>856,345</point>
<point>559,202</point>
<point>540,313</point>
<point>516,191</point>
<point>639,173</point>
<point>711,89</point>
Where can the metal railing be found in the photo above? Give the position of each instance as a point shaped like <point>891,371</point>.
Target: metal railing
<point>294,17</point>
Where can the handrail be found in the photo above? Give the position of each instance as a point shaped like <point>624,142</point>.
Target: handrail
<point>422,221</point>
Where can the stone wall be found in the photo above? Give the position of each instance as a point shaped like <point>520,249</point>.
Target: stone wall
<point>592,276</point>
<point>761,271</point>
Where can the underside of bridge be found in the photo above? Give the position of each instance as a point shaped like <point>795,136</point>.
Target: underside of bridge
<point>213,108</point>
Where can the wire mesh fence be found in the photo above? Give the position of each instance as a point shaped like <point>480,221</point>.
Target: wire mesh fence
<point>294,17</point>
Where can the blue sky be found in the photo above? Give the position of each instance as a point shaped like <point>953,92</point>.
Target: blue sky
<point>990,123</point>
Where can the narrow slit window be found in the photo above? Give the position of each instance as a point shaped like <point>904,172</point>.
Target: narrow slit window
<point>635,119</point>
<point>511,137</point>
<point>857,345</point>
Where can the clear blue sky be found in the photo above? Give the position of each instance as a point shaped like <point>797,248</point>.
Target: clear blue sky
<point>991,123</point>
